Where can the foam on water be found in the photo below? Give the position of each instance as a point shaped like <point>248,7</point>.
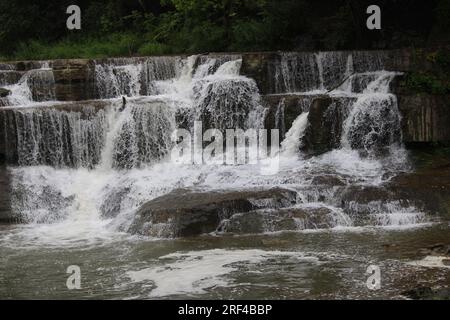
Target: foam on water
<point>197,271</point>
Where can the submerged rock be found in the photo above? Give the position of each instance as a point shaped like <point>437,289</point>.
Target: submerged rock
<point>285,219</point>
<point>184,212</point>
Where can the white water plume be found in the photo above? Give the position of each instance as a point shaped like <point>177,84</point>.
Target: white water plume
<point>290,146</point>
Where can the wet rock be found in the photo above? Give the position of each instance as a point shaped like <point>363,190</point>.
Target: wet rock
<point>327,180</point>
<point>282,110</point>
<point>389,246</point>
<point>34,206</point>
<point>111,207</point>
<point>74,79</point>
<point>184,212</point>
<point>425,119</point>
<point>365,194</point>
<point>427,293</point>
<point>27,65</point>
<point>377,205</point>
<point>284,219</point>
<point>429,187</point>
<point>257,66</point>
<point>4,92</point>
<point>5,205</point>
<point>325,120</point>
<point>369,199</point>
<point>41,84</point>
<point>9,77</point>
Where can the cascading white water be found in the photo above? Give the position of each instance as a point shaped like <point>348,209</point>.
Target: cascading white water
<point>45,136</point>
<point>374,119</point>
<point>114,81</point>
<point>121,155</point>
<point>292,142</point>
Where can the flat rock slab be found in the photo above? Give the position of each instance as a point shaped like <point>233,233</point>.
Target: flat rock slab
<point>184,212</point>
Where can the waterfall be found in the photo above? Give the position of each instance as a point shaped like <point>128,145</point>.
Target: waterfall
<point>140,135</point>
<point>291,144</point>
<point>35,85</point>
<point>114,81</point>
<point>374,119</point>
<point>89,169</point>
<point>55,138</point>
<point>306,72</point>
<point>132,77</point>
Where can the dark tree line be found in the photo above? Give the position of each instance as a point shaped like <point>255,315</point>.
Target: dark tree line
<point>187,26</point>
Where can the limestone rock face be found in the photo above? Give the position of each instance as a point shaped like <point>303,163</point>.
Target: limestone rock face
<point>8,77</point>
<point>325,120</point>
<point>255,66</point>
<point>74,79</point>
<point>4,92</point>
<point>184,213</point>
<point>426,118</point>
<point>282,110</point>
<point>5,208</point>
<point>285,219</point>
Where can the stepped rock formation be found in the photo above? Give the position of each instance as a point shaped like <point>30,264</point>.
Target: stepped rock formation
<point>76,152</point>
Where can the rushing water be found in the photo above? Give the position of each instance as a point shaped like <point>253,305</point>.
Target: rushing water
<point>81,177</point>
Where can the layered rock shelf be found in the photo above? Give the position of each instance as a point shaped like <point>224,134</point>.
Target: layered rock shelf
<point>282,78</point>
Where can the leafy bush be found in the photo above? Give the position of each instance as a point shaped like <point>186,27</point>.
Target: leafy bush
<point>153,48</point>
<point>114,45</point>
<point>427,83</point>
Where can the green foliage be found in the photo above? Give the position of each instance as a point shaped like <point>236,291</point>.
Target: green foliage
<point>114,45</point>
<point>427,83</point>
<point>443,60</point>
<point>36,29</point>
<point>153,48</point>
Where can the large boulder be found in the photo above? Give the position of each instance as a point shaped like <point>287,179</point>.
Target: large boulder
<point>185,212</point>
